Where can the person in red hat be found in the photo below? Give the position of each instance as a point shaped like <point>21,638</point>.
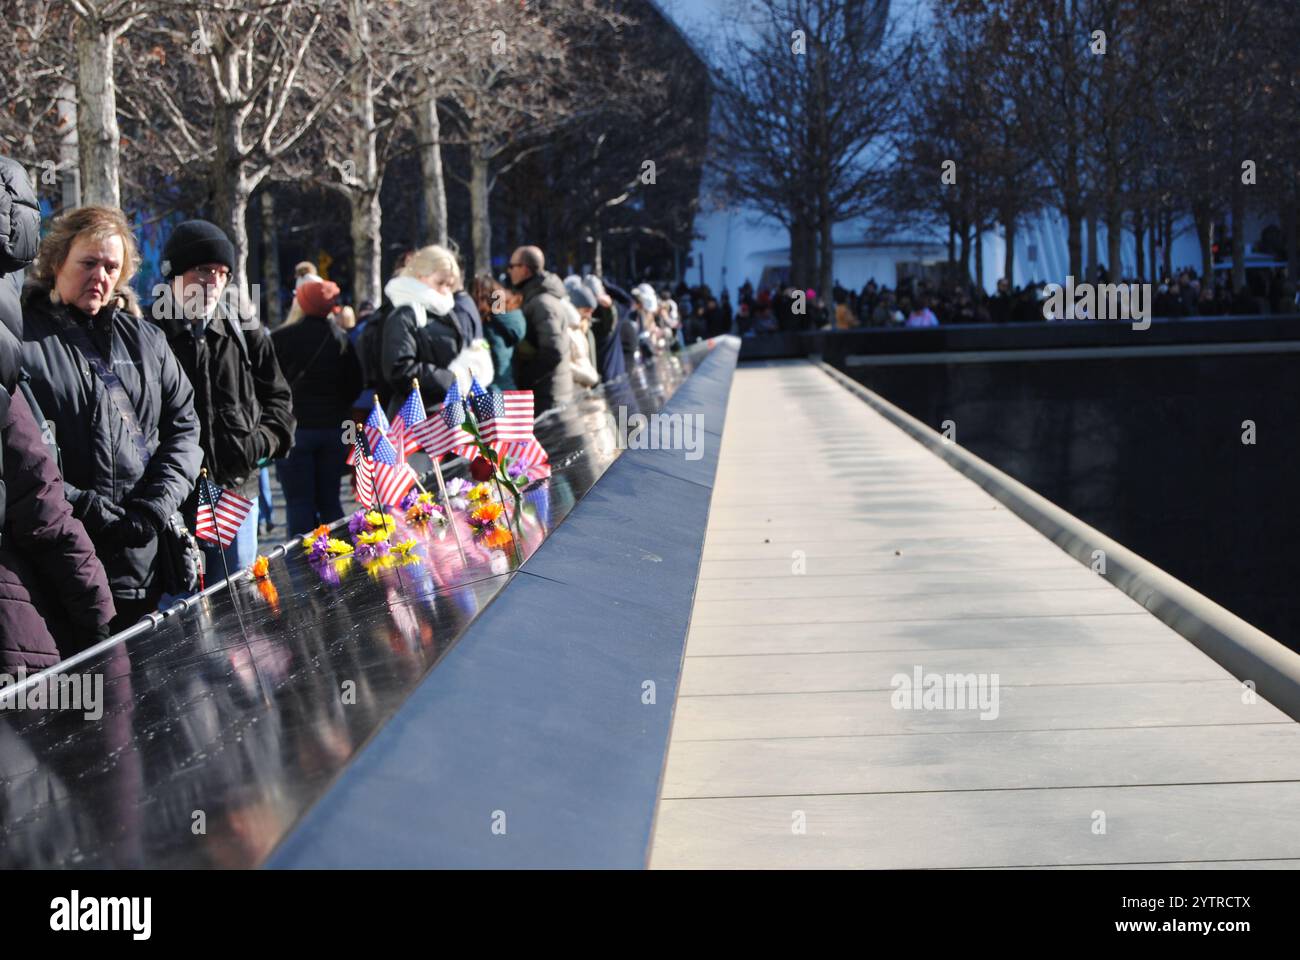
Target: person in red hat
<point>325,377</point>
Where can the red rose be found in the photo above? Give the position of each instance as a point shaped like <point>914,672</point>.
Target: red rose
<point>481,469</point>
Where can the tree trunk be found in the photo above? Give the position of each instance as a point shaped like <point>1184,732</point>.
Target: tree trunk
<point>97,133</point>
<point>952,243</point>
<point>432,181</point>
<point>1168,247</point>
<point>1155,247</point>
<point>963,231</point>
<point>367,248</point>
<point>480,221</point>
<point>826,283</point>
<point>270,259</point>
<point>1238,235</point>
<point>1204,218</point>
<point>1114,239</point>
<point>1009,263</point>
<point>69,153</point>
<point>1073,243</point>
<point>979,257</point>
<point>1139,254</point>
<point>1090,225</point>
<point>363,190</point>
<point>1289,237</point>
<point>231,201</point>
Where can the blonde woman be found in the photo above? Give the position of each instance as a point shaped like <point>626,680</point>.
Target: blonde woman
<point>121,406</point>
<point>430,330</point>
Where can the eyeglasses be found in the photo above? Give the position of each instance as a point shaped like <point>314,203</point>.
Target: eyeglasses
<point>211,273</point>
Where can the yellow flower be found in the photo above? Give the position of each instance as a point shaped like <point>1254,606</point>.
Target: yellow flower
<point>481,492</point>
<point>373,536</point>
<point>403,548</point>
<point>337,547</point>
<point>312,537</point>
<point>381,521</point>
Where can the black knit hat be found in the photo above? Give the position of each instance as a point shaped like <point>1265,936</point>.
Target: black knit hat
<point>196,242</point>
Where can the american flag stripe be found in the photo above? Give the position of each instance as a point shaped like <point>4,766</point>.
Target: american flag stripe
<point>528,453</point>
<point>219,524</point>
<point>363,473</point>
<point>392,482</point>
<point>516,423</point>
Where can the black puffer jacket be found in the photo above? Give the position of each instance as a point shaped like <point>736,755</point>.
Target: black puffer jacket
<point>322,371</point>
<point>101,465</point>
<point>244,405</point>
<point>412,350</point>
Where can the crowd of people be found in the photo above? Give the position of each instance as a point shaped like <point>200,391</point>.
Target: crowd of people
<point>112,409</point>
<point>921,303</point>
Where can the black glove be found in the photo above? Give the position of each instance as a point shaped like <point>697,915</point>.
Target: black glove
<point>95,512</point>
<point>134,529</point>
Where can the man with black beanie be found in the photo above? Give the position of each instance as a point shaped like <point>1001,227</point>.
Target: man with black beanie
<point>244,404</point>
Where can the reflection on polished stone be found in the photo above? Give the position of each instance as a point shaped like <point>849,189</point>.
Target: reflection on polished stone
<point>222,725</point>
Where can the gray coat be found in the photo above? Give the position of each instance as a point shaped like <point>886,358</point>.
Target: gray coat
<point>547,373</point>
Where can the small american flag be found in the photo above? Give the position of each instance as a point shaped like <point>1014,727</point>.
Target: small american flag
<point>484,404</point>
<point>363,477</point>
<point>412,412</point>
<point>514,421</point>
<point>443,433</point>
<point>377,430</point>
<point>221,513</point>
<point>377,482</point>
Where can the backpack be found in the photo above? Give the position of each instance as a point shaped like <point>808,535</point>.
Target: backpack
<point>370,353</point>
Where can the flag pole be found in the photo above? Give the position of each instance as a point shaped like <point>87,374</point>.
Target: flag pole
<point>442,486</point>
<point>442,489</point>
<point>415,386</point>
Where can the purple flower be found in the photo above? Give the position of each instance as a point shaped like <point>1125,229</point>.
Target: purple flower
<point>328,571</point>
<point>357,523</point>
<point>408,501</point>
<point>517,472</point>
<point>320,548</point>
<point>457,487</point>
<point>372,551</point>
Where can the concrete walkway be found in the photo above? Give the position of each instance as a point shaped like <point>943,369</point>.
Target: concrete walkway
<point>842,556</point>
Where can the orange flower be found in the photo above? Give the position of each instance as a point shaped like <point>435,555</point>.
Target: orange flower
<point>486,514</point>
<point>260,567</point>
<point>270,595</point>
<point>496,537</point>
<point>320,531</point>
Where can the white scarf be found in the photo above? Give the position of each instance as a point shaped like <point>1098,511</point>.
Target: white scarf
<point>420,297</point>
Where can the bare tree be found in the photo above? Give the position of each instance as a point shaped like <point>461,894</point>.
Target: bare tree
<point>247,87</point>
<point>806,105</point>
